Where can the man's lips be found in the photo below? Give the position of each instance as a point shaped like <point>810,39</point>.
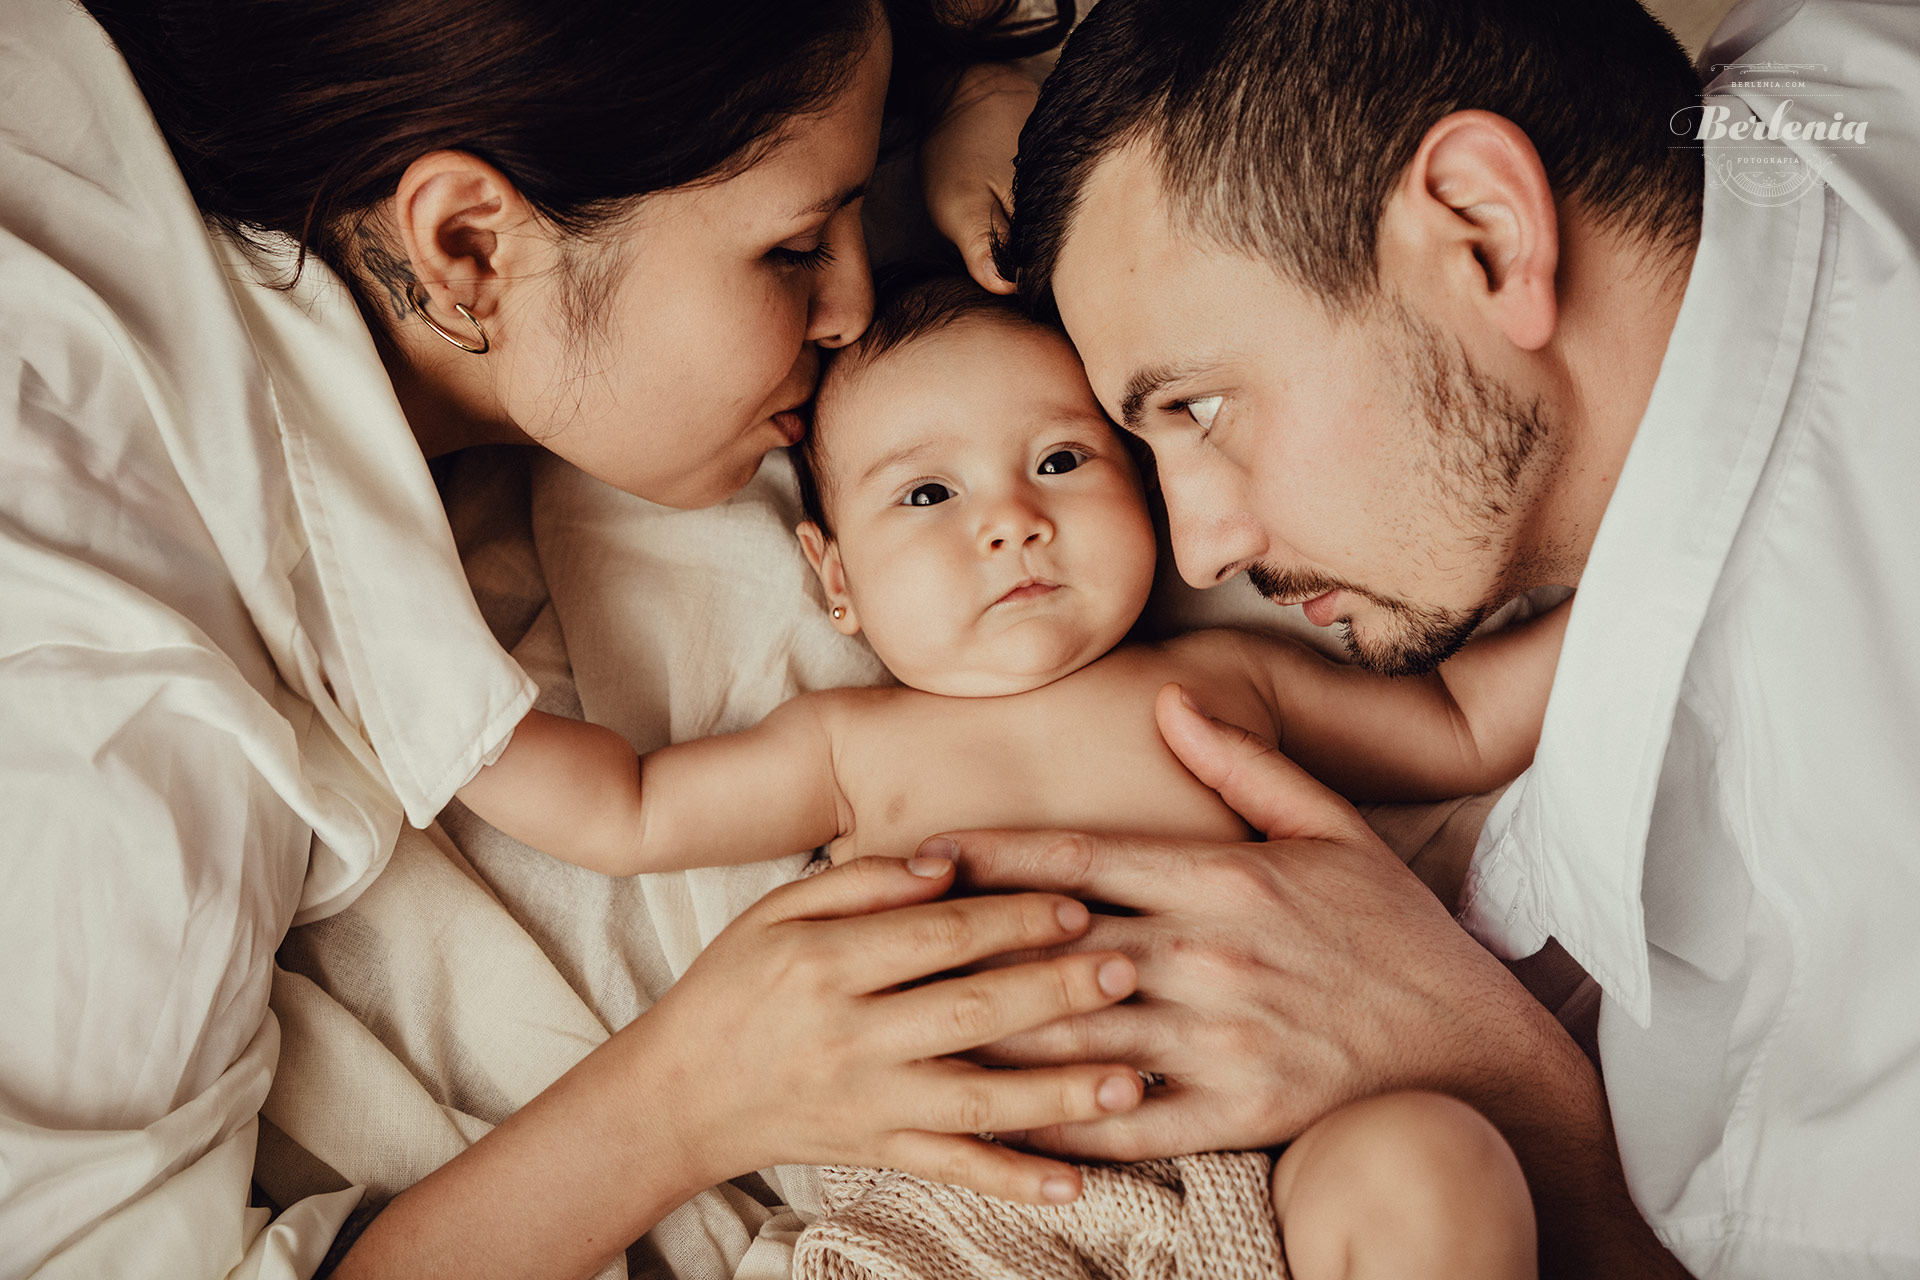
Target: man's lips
<point>1319,609</point>
<point>1322,610</point>
<point>1030,589</point>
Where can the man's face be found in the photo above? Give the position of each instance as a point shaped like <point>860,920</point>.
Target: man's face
<point>1362,465</point>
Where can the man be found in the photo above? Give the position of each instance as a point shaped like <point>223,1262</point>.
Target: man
<point>1420,304</point>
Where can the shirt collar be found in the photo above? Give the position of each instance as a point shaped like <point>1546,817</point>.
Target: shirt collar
<point>435,693</point>
<point>1583,816</point>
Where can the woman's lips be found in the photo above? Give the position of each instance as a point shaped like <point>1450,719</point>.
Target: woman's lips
<point>1321,611</point>
<point>791,426</point>
<point>1028,591</point>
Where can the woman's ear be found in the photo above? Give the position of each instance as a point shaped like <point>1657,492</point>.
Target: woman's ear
<point>466,234</point>
<point>823,553</point>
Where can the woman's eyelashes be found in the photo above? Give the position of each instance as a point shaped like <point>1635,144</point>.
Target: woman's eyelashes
<point>820,255</point>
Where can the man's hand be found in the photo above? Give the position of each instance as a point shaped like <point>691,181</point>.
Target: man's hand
<point>1278,981</point>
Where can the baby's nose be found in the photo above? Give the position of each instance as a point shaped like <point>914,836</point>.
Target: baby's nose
<point>1016,524</point>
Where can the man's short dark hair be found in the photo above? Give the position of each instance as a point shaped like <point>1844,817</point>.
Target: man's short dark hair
<point>1280,126</point>
<point>910,301</point>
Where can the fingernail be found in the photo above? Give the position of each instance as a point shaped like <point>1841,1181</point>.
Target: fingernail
<point>1010,1137</point>
<point>1199,710</point>
<point>1115,977</point>
<point>1116,1093</point>
<point>1059,1189</point>
<point>932,868</point>
<point>1072,915</point>
<point>939,847</point>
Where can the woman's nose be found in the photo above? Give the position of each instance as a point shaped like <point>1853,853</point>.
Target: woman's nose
<point>843,297</point>
<point>1013,522</point>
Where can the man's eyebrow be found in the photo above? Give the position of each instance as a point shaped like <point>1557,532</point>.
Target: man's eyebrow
<point>835,202</point>
<point>1144,384</point>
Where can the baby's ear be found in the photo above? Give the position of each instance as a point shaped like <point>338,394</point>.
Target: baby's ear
<point>823,553</point>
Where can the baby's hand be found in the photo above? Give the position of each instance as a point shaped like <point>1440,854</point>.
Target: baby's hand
<point>966,164</point>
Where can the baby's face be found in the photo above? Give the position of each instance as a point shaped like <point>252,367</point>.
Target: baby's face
<point>991,532</point>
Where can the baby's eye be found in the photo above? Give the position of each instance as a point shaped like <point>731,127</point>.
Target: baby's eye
<point>1203,410</point>
<point>1060,461</point>
<point>927,495</point>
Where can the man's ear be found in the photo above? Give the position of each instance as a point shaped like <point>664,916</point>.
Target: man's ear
<point>1475,211</point>
<point>823,553</point>
<point>464,229</point>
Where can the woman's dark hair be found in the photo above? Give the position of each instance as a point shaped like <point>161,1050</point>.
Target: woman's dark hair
<point>297,116</point>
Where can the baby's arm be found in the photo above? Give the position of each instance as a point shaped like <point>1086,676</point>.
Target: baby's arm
<point>579,792</point>
<point>1468,727</point>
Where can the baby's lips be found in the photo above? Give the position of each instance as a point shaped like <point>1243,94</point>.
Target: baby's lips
<point>1032,589</point>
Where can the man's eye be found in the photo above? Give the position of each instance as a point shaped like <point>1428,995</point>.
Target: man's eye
<point>1059,462</point>
<point>928,495</point>
<point>1203,410</point>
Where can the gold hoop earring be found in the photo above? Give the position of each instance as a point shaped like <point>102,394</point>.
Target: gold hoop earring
<point>838,613</point>
<point>419,305</point>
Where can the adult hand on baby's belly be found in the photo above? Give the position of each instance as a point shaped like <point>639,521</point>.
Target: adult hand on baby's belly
<point>1277,980</point>
<point>803,1035</point>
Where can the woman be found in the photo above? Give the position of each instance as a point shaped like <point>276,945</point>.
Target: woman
<point>236,650</point>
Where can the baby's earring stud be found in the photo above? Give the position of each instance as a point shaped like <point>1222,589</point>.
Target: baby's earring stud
<point>838,613</point>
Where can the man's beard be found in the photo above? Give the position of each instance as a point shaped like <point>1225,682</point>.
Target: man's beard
<point>1486,443</point>
<point>1418,639</point>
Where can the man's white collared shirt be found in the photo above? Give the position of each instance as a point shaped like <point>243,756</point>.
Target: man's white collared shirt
<point>1722,822</point>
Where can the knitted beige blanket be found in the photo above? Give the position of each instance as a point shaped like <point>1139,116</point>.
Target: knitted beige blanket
<point>1191,1217</point>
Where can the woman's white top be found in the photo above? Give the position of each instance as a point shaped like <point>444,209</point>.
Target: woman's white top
<point>236,650</point>
<point>1722,822</point>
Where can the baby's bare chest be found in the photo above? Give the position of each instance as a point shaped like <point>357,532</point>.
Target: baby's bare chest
<point>1080,755</point>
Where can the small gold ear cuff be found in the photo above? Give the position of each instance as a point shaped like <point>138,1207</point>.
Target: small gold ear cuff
<point>417,300</point>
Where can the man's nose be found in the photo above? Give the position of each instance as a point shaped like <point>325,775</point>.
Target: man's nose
<point>1214,537</point>
<point>1015,520</point>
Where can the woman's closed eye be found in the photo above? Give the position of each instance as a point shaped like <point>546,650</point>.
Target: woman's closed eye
<point>812,259</point>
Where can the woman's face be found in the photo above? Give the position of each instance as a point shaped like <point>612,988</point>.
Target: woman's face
<point>675,375</point>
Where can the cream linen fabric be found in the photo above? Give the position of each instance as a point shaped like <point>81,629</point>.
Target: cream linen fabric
<point>466,979</point>
<point>236,650</point>
<point>1723,820</point>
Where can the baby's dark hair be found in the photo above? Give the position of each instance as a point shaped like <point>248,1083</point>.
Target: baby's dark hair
<point>911,301</point>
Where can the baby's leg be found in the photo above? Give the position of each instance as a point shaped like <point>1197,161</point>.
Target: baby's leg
<point>1403,1186</point>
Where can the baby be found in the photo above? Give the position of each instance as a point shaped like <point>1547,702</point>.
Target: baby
<point>974,514</point>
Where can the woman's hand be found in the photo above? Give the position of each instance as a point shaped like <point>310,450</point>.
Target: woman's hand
<point>804,1033</point>
<point>966,163</point>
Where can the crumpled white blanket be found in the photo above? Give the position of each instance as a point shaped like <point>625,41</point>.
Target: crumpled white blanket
<point>476,971</point>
